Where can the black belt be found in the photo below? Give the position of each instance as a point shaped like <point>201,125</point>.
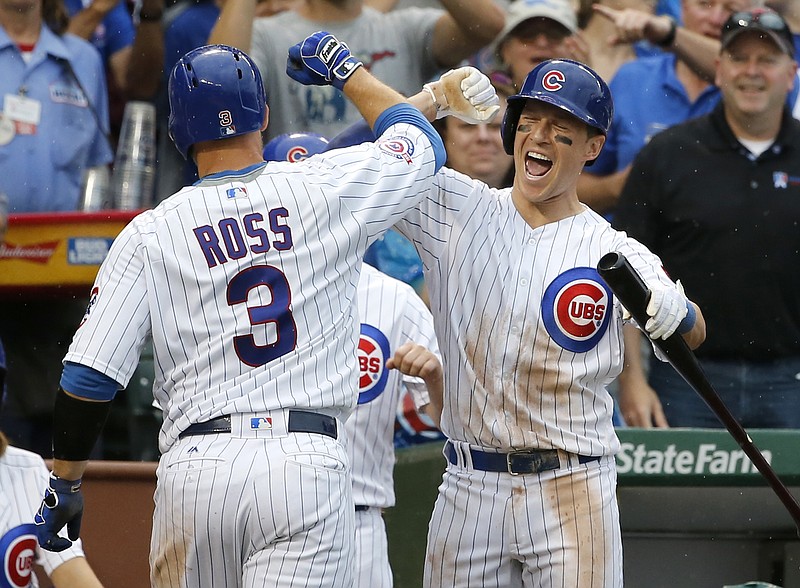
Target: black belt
<point>300,421</point>
<point>361,507</point>
<point>530,461</point>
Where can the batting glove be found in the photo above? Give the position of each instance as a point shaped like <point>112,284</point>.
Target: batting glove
<point>321,59</point>
<point>667,308</point>
<point>62,505</point>
<point>467,94</point>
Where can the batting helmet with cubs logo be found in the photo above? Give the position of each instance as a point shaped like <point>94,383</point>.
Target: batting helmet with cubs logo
<point>293,147</point>
<point>215,92</point>
<point>568,84</point>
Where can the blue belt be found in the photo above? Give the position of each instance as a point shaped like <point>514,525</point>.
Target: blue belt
<point>300,421</point>
<point>526,461</point>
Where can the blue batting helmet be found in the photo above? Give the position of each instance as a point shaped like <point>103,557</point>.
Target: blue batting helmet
<point>567,84</point>
<point>215,92</point>
<point>294,146</point>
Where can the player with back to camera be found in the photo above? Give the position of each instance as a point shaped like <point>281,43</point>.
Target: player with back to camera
<point>530,337</point>
<point>247,283</point>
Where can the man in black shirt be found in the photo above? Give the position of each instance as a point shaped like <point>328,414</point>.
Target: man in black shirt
<point>718,199</point>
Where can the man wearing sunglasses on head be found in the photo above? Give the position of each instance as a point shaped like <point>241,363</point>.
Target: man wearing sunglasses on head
<point>718,199</point>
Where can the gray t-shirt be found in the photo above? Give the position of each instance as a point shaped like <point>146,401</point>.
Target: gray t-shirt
<point>396,47</point>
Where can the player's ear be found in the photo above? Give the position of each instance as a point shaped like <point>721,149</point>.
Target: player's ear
<point>593,146</point>
<point>266,119</point>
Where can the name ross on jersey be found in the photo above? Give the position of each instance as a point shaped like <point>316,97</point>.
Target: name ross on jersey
<point>233,238</point>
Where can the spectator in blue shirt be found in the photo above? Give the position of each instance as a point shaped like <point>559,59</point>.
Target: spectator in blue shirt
<point>55,119</point>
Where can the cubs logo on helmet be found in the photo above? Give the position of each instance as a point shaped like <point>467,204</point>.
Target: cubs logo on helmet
<point>575,309</point>
<point>553,81</point>
<point>373,352</point>
<point>18,552</point>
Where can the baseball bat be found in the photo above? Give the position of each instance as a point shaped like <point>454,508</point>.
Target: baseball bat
<point>633,293</point>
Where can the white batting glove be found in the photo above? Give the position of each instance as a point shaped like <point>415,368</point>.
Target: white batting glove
<point>465,93</point>
<point>667,308</point>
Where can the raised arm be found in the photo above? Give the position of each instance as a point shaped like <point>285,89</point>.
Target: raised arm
<point>466,27</point>
<point>234,25</point>
<point>697,51</point>
<point>146,60</point>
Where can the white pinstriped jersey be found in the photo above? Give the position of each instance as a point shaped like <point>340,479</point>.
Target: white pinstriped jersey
<point>23,476</point>
<point>248,282</point>
<point>522,318</point>
<point>391,314</point>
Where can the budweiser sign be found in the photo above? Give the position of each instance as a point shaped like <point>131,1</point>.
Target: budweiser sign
<point>36,253</point>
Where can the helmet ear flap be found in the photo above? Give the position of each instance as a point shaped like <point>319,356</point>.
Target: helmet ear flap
<point>509,128</point>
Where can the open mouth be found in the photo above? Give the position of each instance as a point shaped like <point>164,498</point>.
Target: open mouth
<point>536,164</point>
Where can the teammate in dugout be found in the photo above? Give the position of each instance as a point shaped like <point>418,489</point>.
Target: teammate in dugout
<point>246,282</point>
<point>396,332</point>
<point>530,337</point>
<point>255,353</point>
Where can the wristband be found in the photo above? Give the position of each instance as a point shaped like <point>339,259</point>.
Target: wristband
<point>670,38</point>
<point>687,324</point>
<point>145,17</point>
<point>438,105</point>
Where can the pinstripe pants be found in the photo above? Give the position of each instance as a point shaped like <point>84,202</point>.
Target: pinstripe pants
<point>557,529</point>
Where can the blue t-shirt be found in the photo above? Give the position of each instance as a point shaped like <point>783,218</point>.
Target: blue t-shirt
<point>648,98</point>
<point>42,165</point>
<point>114,32</point>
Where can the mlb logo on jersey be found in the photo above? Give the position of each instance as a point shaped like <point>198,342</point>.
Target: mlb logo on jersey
<point>236,191</point>
<point>373,351</point>
<point>18,552</point>
<point>575,309</point>
<point>261,423</point>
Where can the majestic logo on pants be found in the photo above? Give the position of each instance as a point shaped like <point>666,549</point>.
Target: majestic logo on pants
<point>373,351</point>
<point>575,309</point>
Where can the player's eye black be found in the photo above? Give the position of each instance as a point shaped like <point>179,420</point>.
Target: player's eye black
<point>766,19</point>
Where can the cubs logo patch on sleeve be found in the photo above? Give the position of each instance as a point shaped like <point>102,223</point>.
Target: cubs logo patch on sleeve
<point>399,147</point>
<point>373,352</point>
<point>575,309</point>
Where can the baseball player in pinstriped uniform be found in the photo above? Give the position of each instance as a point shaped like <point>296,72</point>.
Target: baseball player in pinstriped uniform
<point>247,284</point>
<point>396,332</point>
<point>22,476</point>
<point>530,337</point>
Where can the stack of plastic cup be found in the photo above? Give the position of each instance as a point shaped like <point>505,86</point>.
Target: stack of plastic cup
<point>95,195</point>
<point>134,171</point>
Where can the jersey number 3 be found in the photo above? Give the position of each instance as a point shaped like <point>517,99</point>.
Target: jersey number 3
<point>275,313</point>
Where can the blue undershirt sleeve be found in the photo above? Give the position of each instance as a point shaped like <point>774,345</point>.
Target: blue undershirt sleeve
<point>85,382</point>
